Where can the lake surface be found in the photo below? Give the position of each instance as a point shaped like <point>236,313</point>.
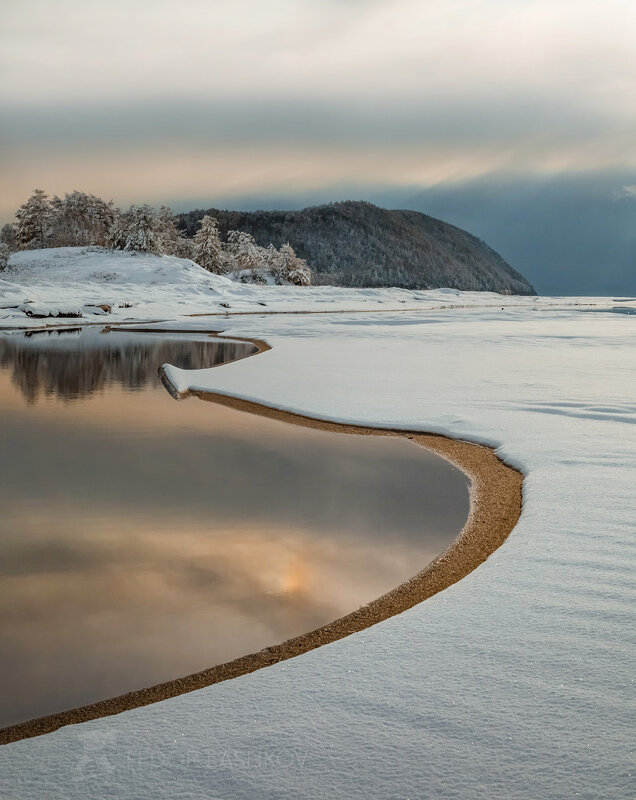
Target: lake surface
<point>142,538</point>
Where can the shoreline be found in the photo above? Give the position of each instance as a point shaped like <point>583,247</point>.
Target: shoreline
<point>495,507</point>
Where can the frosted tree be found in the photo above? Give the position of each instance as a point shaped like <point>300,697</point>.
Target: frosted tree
<point>34,220</point>
<point>137,230</point>
<point>184,248</point>
<point>168,237</point>
<point>244,253</point>
<point>81,219</point>
<point>4,256</point>
<point>208,250</point>
<point>9,236</point>
<point>57,234</point>
<point>90,216</point>
<point>292,268</point>
<point>101,217</point>
<point>118,232</point>
<point>142,230</point>
<point>271,258</point>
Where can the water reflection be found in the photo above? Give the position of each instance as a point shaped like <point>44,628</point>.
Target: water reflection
<point>75,363</point>
<point>142,539</point>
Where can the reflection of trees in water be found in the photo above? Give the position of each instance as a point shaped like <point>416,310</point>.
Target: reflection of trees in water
<point>72,370</point>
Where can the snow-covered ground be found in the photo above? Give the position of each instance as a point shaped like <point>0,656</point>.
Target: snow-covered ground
<point>139,286</point>
<point>516,682</point>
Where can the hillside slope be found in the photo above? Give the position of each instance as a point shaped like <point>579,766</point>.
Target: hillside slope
<point>359,244</point>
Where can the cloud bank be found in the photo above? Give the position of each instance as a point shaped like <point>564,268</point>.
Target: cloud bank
<point>215,103</point>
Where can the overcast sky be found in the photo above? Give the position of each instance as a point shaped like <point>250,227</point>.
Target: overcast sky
<point>246,102</point>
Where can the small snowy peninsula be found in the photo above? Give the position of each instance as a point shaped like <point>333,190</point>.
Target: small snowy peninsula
<point>516,682</point>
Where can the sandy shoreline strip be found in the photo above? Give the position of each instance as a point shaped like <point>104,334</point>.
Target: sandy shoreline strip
<point>495,497</point>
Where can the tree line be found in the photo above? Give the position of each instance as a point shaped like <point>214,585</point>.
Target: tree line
<point>79,219</point>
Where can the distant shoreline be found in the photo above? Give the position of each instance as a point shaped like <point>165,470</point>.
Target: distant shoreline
<point>495,498</point>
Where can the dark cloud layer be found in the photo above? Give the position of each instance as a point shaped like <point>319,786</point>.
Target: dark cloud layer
<point>568,234</point>
<point>510,122</point>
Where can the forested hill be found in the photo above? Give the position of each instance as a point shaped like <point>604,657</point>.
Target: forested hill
<point>359,244</point>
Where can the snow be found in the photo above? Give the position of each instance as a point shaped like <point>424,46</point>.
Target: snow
<point>144,287</point>
<point>57,281</point>
<point>517,682</point>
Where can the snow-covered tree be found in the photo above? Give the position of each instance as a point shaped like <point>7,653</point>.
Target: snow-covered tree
<point>4,256</point>
<point>251,263</point>
<point>208,250</point>
<point>80,219</point>
<point>118,231</point>
<point>136,229</point>
<point>244,253</point>
<point>8,236</point>
<point>34,220</point>
<point>101,217</point>
<point>167,233</point>
<point>184,248</point>
<point>291,268</point>
<point>271,258</point>
<point>142,230</point>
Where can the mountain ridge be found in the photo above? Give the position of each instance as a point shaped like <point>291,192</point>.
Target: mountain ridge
<point>355,243</point>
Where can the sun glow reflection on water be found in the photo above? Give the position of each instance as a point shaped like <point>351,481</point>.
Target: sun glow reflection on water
<point>143,539</point>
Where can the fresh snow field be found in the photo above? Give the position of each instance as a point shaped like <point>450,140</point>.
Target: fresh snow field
<point>137,286</point>
<point>517,682</point>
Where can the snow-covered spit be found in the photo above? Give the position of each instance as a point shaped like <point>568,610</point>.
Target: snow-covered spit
<point>517,682</point>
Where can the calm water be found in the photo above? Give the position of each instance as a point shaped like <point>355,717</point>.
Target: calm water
<point>143,538</point>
